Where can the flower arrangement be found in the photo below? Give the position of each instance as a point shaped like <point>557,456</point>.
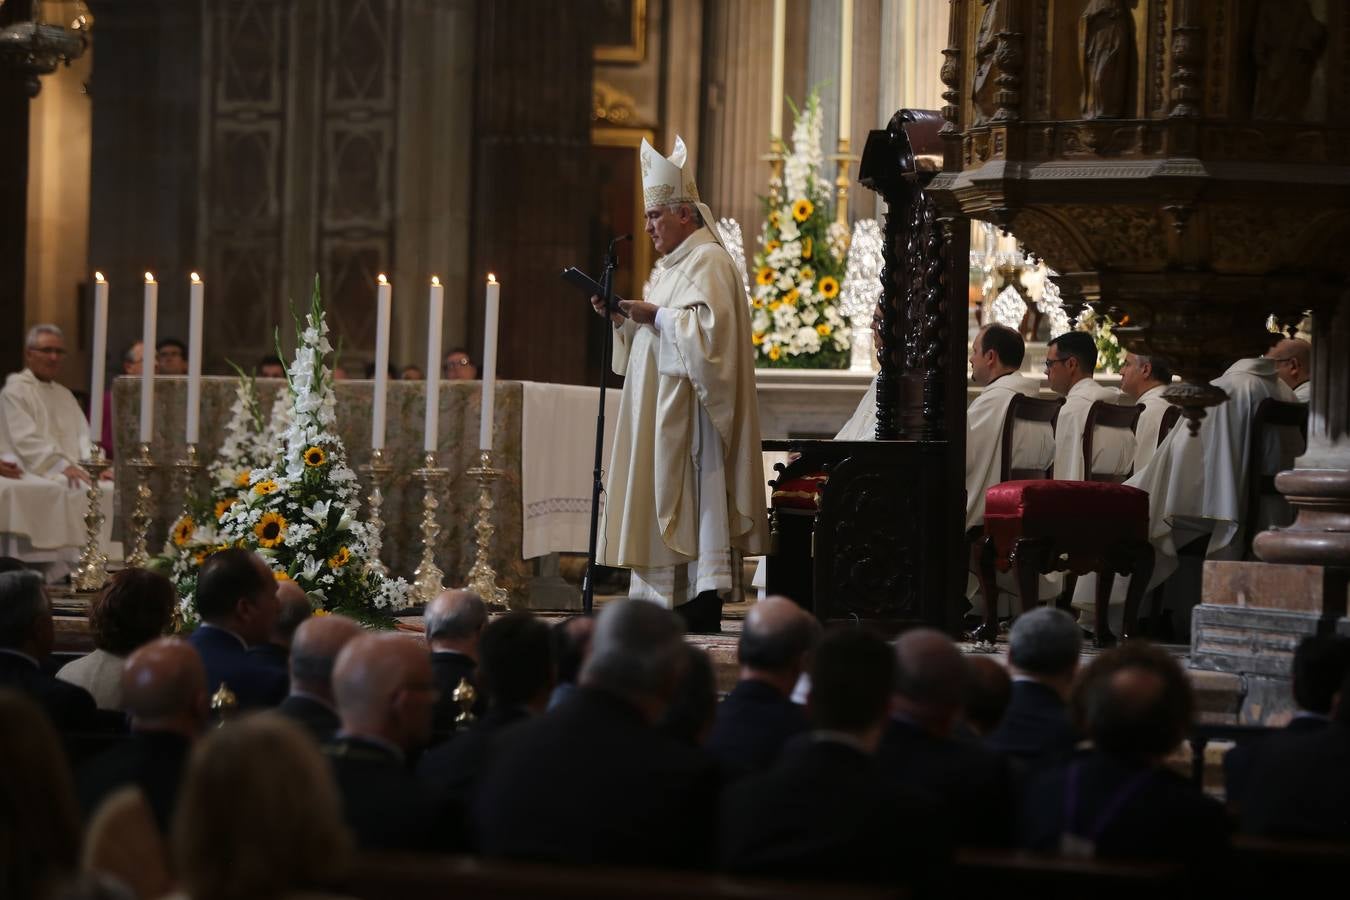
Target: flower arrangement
<point>1109,352</point>
<point>799,266</point>
<point>300,510</point>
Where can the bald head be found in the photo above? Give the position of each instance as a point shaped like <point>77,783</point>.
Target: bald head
<point>454,620</point>
<point>164,687</point>
<point>383,687</point>
<point>314,650</point>
<point>1293,361</point>
<point>930,678</point>
<point>777,636</point>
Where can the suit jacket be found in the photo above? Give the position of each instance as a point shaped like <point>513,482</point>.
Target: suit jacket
<point>150,760</point>
<point>70,708</point>
<point>386,806</point>
<point>827,812</point>
<point>455,766</point>
<point>964,776</point>
<point>276,656</point>
<point>1157,814</point>
<point>1300,785</point>
<point>1036,725</point>
<point>652,801</point>
<point>1237,763</point>
<point>753,723</point>
<point>316,718</point>
<point>255,681</point>
<point>448,668</point>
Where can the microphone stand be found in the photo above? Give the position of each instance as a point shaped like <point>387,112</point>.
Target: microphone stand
<point>597,482</point>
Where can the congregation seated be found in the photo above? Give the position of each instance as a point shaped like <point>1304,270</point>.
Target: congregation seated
<point>593,781</point>
<point>1118,800</point>
<point>987,695</point>
<point>1043,649</point>
<point>920,751</point>
<point>689,716</point>
<point>314,649</point>
<point>237,601</point>
<point>385,693</point>
<point>571,646</point>
<point>164,686</point>
<point>826,810</point>
<point>454,622</point>
<point>293,608</point>
<point>758,716</point>
<point>1070,361</point>
<point>135,608</point>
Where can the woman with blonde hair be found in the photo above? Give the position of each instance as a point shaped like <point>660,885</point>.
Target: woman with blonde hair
<point>258,815</point>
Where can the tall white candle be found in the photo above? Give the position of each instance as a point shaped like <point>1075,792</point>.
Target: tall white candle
<point>194,391</point>
<point>846,72</point>
<point>490,316</point>
<point>383,292</point>
<point>148,357</point>
<point>779,49</point>
<point>100,359</point>
<point>436,303</point>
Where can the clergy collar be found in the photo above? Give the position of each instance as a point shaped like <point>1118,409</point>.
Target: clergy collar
<point>994,381</point>
<point>1258,365</point>
<point>688,245</point>
<point>1155,391</point>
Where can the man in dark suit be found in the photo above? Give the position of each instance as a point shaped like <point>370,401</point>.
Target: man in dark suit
<point>164,690</point>
<point>26,636</point>
<point>385,695</point>
<point>314,649</point>
<point>1043,649</point>
<point>293,608</point>
<point>1118,800</point>
<point>758,717</point>
<point>571,646</point>
<point>517,675</point>
<point>920,751</point>
<point>826,811</point>
<point>653,801</point>
<point>454,622</point>
<point>1321,663</point>
<point>237,601</point>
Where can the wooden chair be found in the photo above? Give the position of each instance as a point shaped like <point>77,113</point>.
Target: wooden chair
<point>1107,415</point>
<point>1271,413</point>
<point>1155,596</point>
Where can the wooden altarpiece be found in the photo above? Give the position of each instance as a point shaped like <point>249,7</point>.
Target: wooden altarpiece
<point>883,542</point>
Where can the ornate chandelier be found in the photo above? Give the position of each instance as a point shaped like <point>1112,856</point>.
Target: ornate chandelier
<point>38,35</point>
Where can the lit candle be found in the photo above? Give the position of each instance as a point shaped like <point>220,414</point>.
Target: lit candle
<point>779,49</point>
<point>194,392</point>
<point>100,359</point>
<point>846,72</point>
<point>493,307</point>
<point>148,357</point>
<point>382,305</point>
<point>436,302</point>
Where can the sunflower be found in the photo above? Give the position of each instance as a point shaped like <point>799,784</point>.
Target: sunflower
<point>757,338</point>
<point>774,353</point>
<point>808,273</point>
<point>340,558</point>
<point>281,575</point>
<point>823,330</point>
<point>315,457</point>
<point>757,303</point>
<point>808,247</point>
<point>271,529</point>
<point>223,507</point>
<point>802,209</point>
<point>774,304</point>
<point>790,298</point>
<point>829,288</point>
<point>265,487</point>
<point>241,480</point>
<point>764,276</point>
<point>772,246</point>
<point>321,612</point>
<point>182,531</point>
<point>775,218</point>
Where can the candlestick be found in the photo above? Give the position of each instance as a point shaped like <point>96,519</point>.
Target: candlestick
<point>141,467</point>
<point>383,300</point>
<point>92,573</point>
<point>488,417</point>
<point>482,578</point>
<point>99,363</point>
<point>194,385</point>
<point>846,71</point>
<point>185,473</point>
<point>378,470</point>
<point>779,51</point>
<point>436,304</point>
<point>148,356</point>
<point>428,579</point>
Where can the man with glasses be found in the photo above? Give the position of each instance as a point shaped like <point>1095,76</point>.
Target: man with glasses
<point>171,357</point>
<point>459,366</point>
<point>1293,363</point>
<point>1069,362</point>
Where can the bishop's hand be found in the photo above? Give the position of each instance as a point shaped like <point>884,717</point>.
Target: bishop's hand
<point>598,304</point>
<point>639,311</point>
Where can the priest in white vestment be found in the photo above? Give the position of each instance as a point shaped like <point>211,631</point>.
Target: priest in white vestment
<point>43,433</point>
<point>1293,362</point>
<point>1145,378</point>
<point>1069,362</point>
<point>685,483</point>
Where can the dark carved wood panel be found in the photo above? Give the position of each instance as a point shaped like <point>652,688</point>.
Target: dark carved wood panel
<point>13,214</point>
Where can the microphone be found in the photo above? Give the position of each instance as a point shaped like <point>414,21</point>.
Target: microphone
<point>620,239</point>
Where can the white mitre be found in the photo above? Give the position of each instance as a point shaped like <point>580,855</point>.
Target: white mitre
<point>668,181</point>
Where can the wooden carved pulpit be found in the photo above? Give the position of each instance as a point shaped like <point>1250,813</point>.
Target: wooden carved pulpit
<point>872,530</point>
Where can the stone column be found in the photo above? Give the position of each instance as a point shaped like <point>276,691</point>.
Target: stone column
<point>822,71</point>
<point>13,205</point>
<point>911,36</point>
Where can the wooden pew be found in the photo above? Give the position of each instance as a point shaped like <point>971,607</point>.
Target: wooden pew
<point>1020,873</point>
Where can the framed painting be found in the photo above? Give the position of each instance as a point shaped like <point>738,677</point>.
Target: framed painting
<point>621,31</point>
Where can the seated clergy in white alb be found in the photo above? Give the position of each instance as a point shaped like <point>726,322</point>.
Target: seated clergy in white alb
<point>1069,362</point>
<point>43,434</point>
<point>1145,378</point>
<point>1293,363</point>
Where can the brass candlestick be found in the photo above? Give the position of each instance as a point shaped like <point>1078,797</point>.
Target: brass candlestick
<point>775,158</point>
<point>224,704</point>
<point>842,160</point>
<point>378,470</point>
<point>428,579</point>
<point>185,476</point>
<point>482,577</point>
<point>464,696</point>
<point>92,573</point>
<point>141,465</point>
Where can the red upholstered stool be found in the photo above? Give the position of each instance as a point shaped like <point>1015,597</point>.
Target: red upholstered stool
<point>1042,526</point>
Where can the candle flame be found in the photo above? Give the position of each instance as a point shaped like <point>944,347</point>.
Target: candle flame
<point>435,282</point>
<point>492,279</point>
<point>381,279</point>
<point>149,278</point>
<point>196,279</point>
<point>98,276</point>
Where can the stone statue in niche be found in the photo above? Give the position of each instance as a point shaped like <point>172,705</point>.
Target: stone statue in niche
<point>986,48</point>
<point>1287,43</point>
<point>1105,39</point>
